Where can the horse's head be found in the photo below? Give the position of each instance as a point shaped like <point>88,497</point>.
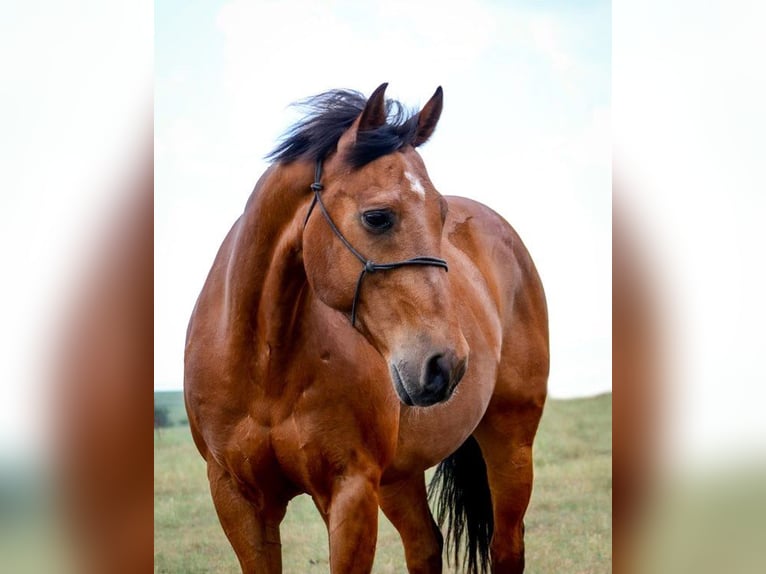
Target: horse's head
<point>372,249</point>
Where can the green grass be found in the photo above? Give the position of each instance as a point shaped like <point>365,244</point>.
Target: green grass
<point>568,524</point>
<point>569,521</point>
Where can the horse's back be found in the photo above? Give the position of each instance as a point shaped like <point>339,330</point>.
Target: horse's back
<point>516,291</point>
<point>504,318</point>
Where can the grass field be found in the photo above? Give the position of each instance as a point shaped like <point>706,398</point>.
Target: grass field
<point>568,524</point>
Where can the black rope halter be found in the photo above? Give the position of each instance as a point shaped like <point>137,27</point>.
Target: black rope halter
<point>368,266</point>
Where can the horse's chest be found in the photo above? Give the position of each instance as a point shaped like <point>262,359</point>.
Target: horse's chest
<point>248,449</point>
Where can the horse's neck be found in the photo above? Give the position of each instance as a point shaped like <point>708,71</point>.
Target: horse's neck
<point>265,276</point>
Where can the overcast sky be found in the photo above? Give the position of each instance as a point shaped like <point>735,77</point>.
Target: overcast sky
<point>525,130</point>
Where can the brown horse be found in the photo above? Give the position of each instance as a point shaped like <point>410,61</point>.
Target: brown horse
<point>357,328</point>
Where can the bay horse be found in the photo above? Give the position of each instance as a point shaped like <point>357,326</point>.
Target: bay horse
<point>356,329</point>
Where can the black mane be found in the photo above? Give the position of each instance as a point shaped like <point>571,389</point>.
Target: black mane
<point>329,115</point>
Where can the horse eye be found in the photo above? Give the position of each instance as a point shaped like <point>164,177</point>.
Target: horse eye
<point>378,219</point>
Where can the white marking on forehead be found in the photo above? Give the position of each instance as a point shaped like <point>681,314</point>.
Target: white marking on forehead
<point>417,187</point>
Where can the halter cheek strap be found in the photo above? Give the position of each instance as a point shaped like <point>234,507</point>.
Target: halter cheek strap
<point>368,266</point>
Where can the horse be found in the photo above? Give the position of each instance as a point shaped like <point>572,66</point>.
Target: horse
<point>358,328</point>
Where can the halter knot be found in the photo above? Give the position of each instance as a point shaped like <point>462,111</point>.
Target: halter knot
<point>316,186</point>
<point>369,266</point>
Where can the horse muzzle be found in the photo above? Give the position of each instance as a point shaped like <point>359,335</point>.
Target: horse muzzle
<point>430,381</point>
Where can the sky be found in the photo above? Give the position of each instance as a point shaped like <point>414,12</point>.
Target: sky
<point>525,130</point>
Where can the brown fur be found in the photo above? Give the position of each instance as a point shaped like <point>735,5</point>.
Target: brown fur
<point>284,396</point>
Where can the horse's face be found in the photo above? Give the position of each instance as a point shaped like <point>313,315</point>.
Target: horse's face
<point>389,211</point>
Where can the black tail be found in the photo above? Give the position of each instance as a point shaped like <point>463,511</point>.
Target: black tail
<point>460,492</point>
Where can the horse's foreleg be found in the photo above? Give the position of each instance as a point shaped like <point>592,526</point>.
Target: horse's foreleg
<point>405,504</point>
<point>353,524</point>
<point>253,532</point>
<point>506,443</point>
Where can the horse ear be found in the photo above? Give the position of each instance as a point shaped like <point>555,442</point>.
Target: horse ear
<point>429,117</point>
<point>374,113</point>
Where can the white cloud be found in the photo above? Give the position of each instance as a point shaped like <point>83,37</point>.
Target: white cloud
<point>545,35</point>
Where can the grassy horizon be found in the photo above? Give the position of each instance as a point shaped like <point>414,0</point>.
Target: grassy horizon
<point>568,524</point>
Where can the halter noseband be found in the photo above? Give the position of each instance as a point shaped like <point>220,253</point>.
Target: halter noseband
<point>368,266</point>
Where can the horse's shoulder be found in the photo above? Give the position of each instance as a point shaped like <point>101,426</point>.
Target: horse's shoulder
<point>472,223</point>
<point>479,232</point>
<point>470,216</point>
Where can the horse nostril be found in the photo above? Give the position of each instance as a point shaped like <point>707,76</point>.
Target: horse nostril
<point>437,373</point>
